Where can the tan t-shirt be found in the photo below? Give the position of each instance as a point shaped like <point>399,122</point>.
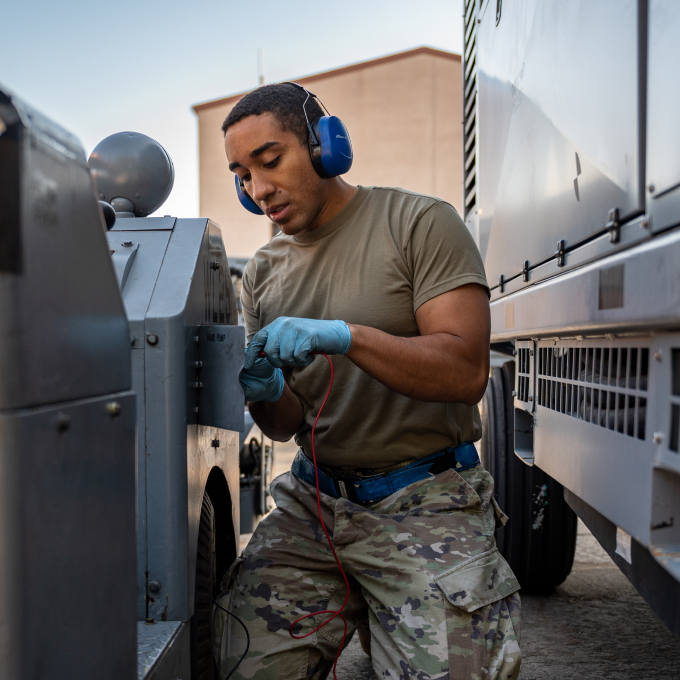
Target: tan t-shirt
<point>385,254</point>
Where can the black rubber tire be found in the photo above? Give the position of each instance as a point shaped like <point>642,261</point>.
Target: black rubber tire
<point>202,665</point>
<point>539,540</point>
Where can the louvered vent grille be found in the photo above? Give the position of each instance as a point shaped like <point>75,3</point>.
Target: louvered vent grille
<point>523,374</point>
<point>606,386</point>
<point>470,107</point>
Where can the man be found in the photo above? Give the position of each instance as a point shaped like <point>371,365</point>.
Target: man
<point>391,285</point>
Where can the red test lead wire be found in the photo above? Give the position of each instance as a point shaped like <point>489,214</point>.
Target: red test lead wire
<point>330,543</point>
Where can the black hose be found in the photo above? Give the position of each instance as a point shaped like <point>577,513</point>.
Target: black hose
<point>243,656</point>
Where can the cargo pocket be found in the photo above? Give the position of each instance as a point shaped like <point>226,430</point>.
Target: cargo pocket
<point>478,581</point>
<point>219,615</point>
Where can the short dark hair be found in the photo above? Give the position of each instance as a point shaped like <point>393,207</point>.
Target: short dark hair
<point>284,101</point>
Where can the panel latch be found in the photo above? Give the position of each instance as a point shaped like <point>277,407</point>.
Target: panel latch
<point>614,226</point>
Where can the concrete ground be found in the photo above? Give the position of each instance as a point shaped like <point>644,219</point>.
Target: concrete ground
<point>593,626</point>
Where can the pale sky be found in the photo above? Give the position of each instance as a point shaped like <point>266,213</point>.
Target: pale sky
<point>97,68</point>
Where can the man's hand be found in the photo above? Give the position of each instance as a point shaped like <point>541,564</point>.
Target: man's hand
<point>292,342</point>
<point>261,381</point>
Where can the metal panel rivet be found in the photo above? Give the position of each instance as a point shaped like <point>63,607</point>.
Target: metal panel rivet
<point>651,188</point>
<point>149,621</point>
<point>514,393</point>
<point>127,244</point>
<point>63,422</point>
<point>658,355</point>
<point>195,338</point>
<point>215,265</point>
<point>155,587</point>
<point>531,398</point>
<point>152,338</point>
<point>198,385</point>
<point>198,364</point>
<point>113,407</point>
<point>644,224</point>
<point>657,438</point>
<point>531,352</point>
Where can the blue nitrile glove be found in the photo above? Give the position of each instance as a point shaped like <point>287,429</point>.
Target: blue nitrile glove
<point>291,342</point>
<point>261,381</point>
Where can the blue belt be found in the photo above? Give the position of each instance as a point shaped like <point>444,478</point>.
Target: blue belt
<point>376,487</point>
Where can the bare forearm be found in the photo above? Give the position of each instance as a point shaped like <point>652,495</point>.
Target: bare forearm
<point>281,419</point>
<point>438,367</point>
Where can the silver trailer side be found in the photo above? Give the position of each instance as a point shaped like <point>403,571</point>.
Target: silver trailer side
<point>572,190</point>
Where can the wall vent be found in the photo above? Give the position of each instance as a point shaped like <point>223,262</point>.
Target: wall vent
<point>470,106</point>
<point>602,385</point>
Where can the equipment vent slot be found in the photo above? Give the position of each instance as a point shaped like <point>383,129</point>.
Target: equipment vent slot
<point>602,385</point>
<point>675,402</point>
<point>524,375</point>
<point>470,107</point>
<point>523,365</point>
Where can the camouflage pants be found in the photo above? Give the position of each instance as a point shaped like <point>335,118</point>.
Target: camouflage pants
<point>423,567</point>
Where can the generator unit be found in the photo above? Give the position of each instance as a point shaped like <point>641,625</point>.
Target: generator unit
<point>187,351</point>
<point>67,417</point>
<point>572,190</point>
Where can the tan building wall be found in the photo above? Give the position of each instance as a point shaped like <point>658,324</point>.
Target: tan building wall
<point>403,113</point>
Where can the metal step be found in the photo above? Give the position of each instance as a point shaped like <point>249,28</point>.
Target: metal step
<point>163,651</point>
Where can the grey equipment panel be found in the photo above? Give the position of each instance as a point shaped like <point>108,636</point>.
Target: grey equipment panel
<point>177,287</point>
<point>67,540</point>
<point>65,335</point>
<point>663,102</point>
<point>221,351</point>
<point>67,418</point>
<point>559,126</point>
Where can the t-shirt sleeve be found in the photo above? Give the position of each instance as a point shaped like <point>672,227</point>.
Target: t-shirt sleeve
<point>442,254</point>
<point>250,318</point>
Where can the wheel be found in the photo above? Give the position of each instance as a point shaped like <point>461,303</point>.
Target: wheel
<point>540,538</point>
<point>202,667</point>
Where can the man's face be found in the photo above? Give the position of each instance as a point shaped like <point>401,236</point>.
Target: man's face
<point>276,172</point>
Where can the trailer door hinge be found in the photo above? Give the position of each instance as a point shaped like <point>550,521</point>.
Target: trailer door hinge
<point>614,226</point>
<point>525,270</point>
<point>559,253</point>
<point>501,283</point>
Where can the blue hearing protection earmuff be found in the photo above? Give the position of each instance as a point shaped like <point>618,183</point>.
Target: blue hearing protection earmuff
<point>246,201</point>
<point>330,149</point>
<point>329,145</point>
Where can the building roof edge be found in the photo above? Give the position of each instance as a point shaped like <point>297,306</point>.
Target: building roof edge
<point>339,71</point>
